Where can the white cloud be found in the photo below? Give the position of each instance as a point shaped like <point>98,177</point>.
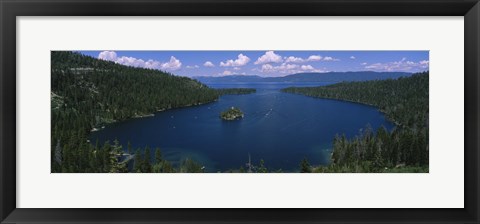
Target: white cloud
<point>269,57</point>
<point>208,64</point>
<point>352,57</point>
<point>236,68</point>
<point>307,67</point>
<point>267,68</point>
<point>424,63</point>
<point>131,61</point>
<point>108,55</point>
<point>240,61</point>
<point>286,69</point>
<point>226,72</point>
<point>320,58</point>
<point>192,66</point>
<point>283,68</point>
<point>330,59</point>
<point>364,63</point>
<point>293,59</point>
<point>314,58</point>
<point>399,66</point>
<point>173,64</point>
<point>149,64</point>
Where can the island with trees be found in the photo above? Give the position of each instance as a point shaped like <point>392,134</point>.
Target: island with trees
<point>89,93</point>
<point>231,114</point>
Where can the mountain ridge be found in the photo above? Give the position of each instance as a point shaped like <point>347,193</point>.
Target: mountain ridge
<point>307,77</point>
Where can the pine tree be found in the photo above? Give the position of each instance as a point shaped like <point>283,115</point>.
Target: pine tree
<point>158,155</point>
<point>106,157</point>
<point>83,99</point>
<point>146,167</point>
<point>190,166</point>
<point>129,148</point>
<point>117,148</point>
<point>262,168</point>
<point>58,153</point>
<point>305,166</point>
<point>138,162</point>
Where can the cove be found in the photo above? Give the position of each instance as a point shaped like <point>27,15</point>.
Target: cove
<point>278,127</point>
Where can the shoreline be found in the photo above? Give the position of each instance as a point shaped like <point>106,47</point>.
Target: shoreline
<point>94,129</point>
<point>97,128</point>
<point>356,102</point>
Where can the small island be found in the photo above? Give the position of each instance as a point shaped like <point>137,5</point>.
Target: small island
<point>231,114</point>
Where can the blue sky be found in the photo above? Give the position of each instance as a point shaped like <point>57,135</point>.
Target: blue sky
<point>267,63</point>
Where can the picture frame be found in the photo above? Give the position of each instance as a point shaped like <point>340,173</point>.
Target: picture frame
<point>10,10</point>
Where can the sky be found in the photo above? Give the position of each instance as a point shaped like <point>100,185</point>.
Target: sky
<point>268,63</point>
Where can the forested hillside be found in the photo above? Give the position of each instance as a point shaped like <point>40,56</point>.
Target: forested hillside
<point>88,93</point>
<point>405,102</point>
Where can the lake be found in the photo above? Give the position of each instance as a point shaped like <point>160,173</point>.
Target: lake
<point>279,128</point>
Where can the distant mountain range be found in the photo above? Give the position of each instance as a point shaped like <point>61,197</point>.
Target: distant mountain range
<point>307,77</point>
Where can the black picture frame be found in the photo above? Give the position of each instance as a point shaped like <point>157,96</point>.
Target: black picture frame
<point>10,9</point>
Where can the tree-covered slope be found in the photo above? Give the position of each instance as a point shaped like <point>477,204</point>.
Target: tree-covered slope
<point>87,93</point>
<point>101,91</point>
<point>404,101</point>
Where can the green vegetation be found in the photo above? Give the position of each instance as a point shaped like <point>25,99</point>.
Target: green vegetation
<point>231,114</point>
<point>190,166</point>
<point>143,164</point>
<point>88,93</point>
<point>405,102</point>
<point>250,167</point>
<point>235,91</point>
<point>305,166</point>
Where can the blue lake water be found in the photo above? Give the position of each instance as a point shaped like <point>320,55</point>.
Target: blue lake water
<point>279,128</point>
